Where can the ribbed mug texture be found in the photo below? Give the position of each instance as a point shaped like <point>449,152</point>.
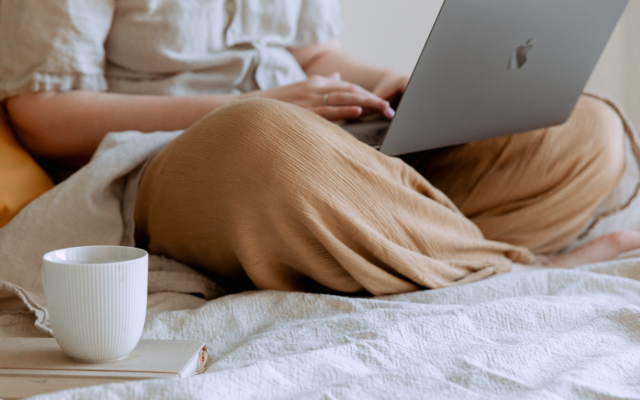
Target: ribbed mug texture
<point>97,310</point>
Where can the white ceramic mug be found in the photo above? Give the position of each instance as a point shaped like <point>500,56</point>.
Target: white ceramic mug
<point>97,300</point>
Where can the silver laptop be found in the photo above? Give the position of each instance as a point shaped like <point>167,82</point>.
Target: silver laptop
<point>493,68</point>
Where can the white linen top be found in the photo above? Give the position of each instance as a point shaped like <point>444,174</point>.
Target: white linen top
<point>164,47</point>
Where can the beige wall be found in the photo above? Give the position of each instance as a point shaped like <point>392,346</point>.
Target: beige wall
<point>388,33</point>
<point>391,33</point>
<point>618,72</point>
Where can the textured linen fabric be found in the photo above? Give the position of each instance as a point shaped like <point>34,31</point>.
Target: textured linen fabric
<point>621,209</point>
<point>164,47</point>
<point>269,192</point>
<point>92,207</point>
<point>550,334</point>
<point>540,192</point>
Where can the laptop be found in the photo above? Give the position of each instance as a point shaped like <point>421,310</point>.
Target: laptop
<point>493,68</point>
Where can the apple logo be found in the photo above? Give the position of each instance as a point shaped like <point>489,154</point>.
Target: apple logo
<point>519,57</point>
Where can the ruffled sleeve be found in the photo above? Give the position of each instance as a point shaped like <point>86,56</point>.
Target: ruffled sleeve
<point>53,45</point>
<point>319,22</point>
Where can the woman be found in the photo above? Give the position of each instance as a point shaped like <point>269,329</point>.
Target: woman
<point>267,190</point>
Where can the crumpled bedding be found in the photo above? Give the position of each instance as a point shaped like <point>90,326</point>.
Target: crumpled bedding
<point>92,207</point>
<point>547,334</point>
<point>540,334</point>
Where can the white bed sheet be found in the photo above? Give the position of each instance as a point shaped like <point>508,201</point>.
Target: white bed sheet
<point>547,334</point>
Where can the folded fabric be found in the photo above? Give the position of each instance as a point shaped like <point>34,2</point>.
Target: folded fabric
<point>92,207</point>
<point>21,178</point>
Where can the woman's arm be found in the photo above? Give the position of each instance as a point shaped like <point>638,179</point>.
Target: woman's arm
<point>70,125</point>
<point>328,58</point>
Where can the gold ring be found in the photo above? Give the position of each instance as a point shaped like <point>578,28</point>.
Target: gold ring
<point>325,99</point>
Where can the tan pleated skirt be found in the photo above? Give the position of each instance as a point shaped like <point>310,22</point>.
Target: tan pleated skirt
<point>266,193</point>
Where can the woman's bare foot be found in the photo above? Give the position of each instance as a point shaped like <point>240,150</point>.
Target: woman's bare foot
<point>606,248</point>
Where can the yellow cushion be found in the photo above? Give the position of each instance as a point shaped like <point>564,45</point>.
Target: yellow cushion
<point>21,178</point>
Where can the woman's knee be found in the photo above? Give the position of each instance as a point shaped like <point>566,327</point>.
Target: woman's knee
<point>238,122</point>
<point>278,139</point>
<point>590,145</point>
<point>261,126</point>
<point>598,135</point>
<point>264,119</point>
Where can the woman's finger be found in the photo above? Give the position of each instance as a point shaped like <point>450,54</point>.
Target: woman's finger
<point>388,92</point>
<point>391,92</point>
<point>393,88</point>
<point>327,85</point>
<point>333,113</point>
<point>364,100</point>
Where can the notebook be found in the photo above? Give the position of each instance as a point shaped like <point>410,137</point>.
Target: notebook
<point>32,366</point>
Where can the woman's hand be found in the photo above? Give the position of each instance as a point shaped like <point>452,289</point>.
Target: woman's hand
<point>331,98</point>
<point>391,86</point>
